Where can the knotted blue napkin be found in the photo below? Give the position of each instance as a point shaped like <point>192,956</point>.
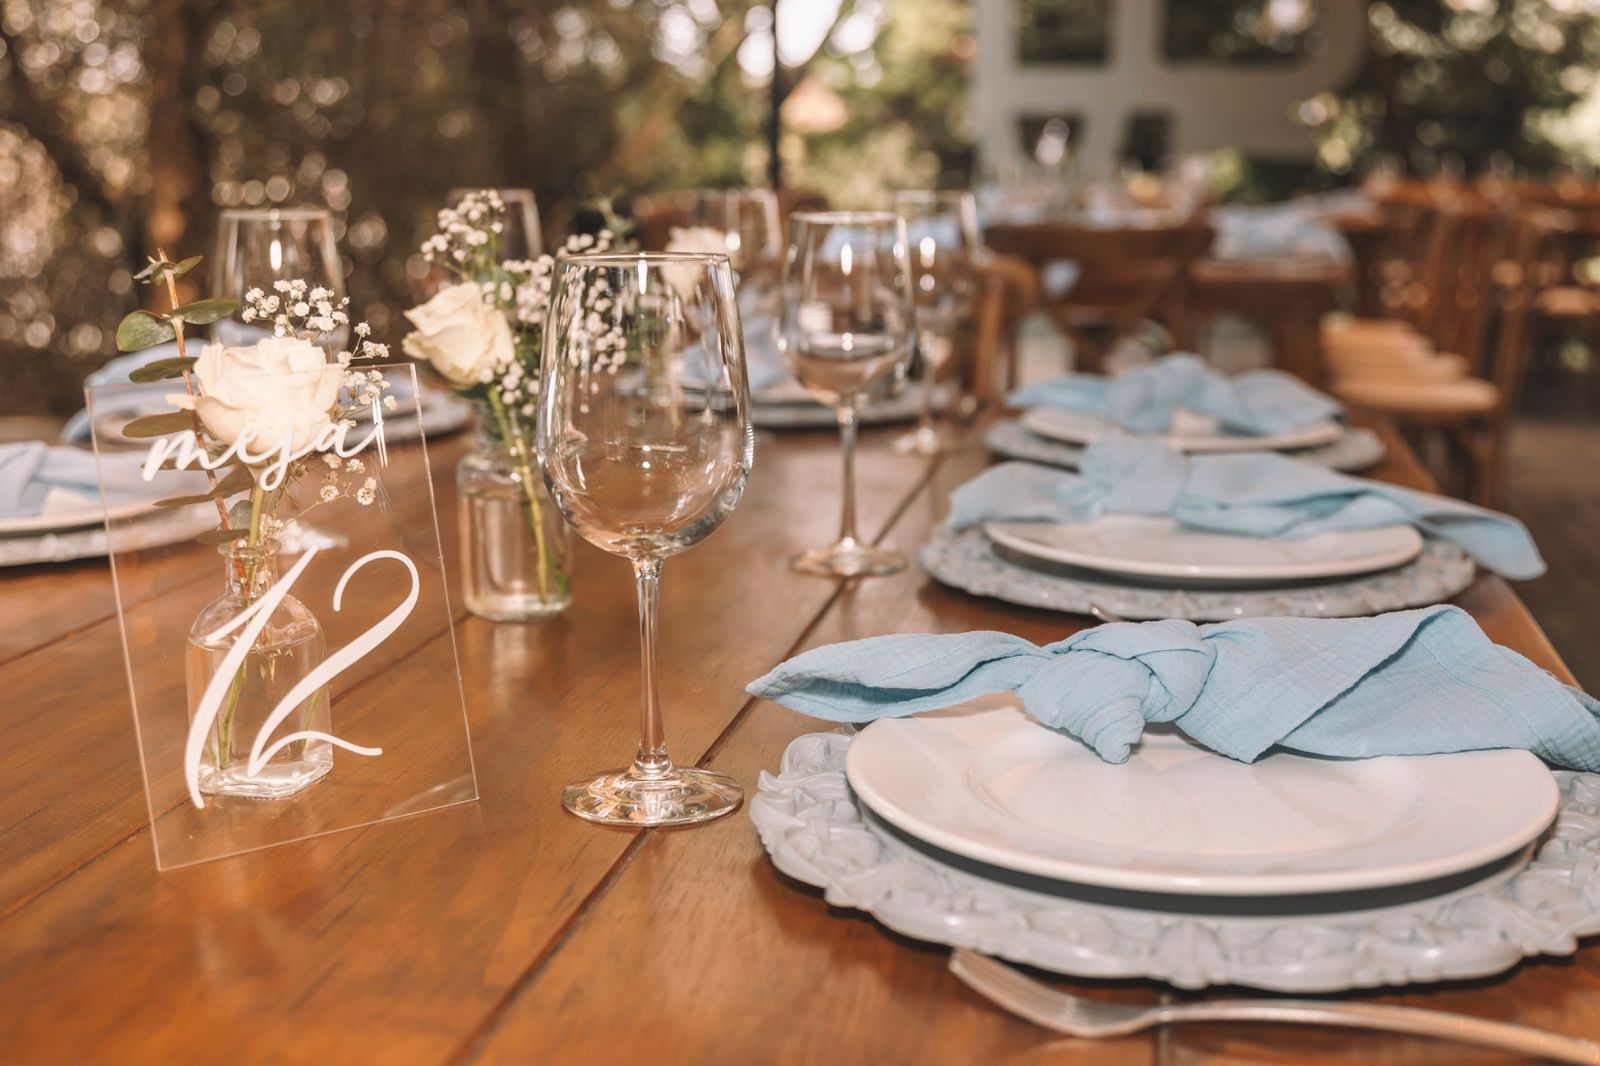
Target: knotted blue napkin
<point>1143,400</point>
<point>1253,494</point>
<point>1409,683</point>
<point>37,478</point>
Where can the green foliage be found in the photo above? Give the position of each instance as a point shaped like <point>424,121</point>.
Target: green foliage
<point>161,370</point>
<point>159,425</point>
<point>238,480</point>
<point>143,329</point>
<point>204,312</point>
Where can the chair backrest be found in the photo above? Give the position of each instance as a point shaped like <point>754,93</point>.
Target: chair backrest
<point>1536,242</point>
<point>1125,274</point>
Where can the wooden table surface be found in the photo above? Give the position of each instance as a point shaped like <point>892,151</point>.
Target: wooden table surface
<point>509,931</point>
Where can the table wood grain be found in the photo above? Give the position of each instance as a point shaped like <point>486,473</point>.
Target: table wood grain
<point>508,931</point>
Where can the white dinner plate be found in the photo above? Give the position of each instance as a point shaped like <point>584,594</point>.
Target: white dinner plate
<point>1078,427</point>
<point>90,514</point>
<point>1157,547</point>
<point>998,787</point>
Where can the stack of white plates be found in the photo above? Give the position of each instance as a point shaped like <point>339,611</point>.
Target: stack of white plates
<point>979,827</point>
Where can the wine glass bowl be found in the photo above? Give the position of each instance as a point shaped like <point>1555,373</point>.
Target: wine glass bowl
<point>942,228</point>
<point>847,327</point>
<point>519,237</point>
<point>645,441</point>
<point>259,246</point>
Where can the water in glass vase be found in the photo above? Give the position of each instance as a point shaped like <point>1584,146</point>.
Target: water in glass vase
<point>288,647</point>
<point>515,548</point>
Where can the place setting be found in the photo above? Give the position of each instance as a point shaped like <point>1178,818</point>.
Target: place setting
<point>1180,399</point>
<point>1289,805</point>
<point>1144,530</point>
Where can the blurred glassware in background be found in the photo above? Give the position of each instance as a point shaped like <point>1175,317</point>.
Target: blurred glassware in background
<point>520,239</point>
<point>848,323</point>
<point>748,219</point>
<point>257,247</point>
<point>942,230</point>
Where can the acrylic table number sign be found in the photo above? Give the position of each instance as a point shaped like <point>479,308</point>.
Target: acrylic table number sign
<point>276,559</point>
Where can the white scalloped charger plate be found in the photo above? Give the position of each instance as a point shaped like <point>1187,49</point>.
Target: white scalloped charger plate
<point>1079,427</point>
<point>1156,546</point>
<point>90,514</point>
<point>998,787</point>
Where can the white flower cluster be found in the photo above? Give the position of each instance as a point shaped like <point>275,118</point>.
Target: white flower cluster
<point>340,481</point>
<point>296,307</point>
<point>599,340</point>
<point>468,229</point>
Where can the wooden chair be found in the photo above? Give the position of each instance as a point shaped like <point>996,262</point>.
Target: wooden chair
<point>1472,414</point>
<point>1007,291</point>
<point>1125,276</point>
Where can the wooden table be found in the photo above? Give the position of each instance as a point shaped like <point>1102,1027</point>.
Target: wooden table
<point>509,931</point>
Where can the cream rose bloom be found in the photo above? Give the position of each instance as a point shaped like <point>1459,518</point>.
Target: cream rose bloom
<point>692,239</point>
<point>461,335</point>
<point>281,389</point>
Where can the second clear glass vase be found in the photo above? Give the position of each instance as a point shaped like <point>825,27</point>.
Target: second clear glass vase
<point>515,547</point>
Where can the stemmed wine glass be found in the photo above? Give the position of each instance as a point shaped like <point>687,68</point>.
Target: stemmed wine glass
<point>748,220</point>
<point>259,246</point>
<point>255,248</point>
<point>848,321</point>
<point>942,228</point>
<point>645,440</point>
<point>520,237</point>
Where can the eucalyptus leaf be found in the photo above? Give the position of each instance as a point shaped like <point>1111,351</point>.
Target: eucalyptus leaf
<point>239,513</point>
<point>159,425</point>
<point>161,370</point>
<point>205,312</point>
<point>150,271</point>
<point>186,265</point>
<point>143,329</point>
<point>238,480</point>
<point>182,501</point>
<point>223,536</point>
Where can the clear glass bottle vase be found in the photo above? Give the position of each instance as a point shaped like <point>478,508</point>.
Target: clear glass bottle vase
<point>288,647</point>
<point>516,548</point>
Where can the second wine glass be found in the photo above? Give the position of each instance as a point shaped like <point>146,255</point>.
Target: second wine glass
<point>942,228</point>
<point>848,323</point>
<point>645,440</point>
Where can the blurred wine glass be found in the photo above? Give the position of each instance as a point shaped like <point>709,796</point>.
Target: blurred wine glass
<point>848,323</point>
<point>645,441</point>
<point>519,237</point>
<point>942,232</point>
<point>257,247</point>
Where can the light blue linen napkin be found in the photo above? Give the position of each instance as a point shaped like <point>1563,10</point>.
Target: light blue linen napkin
<point>1143,400</point>
<point>37,478</point>
<point>1252,494</point>
<point>1409,683</point>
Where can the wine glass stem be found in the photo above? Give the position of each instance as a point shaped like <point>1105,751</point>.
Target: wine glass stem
<point>847,445</point>
<point>925,343</point>
<point>652,759</point>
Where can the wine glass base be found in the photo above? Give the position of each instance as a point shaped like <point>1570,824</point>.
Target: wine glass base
<point>924,440</point>
<point>682,796</point>
<point>849,558</point>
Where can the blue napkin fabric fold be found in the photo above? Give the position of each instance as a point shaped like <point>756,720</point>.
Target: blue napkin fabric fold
<point>1409,683</point>
<point>1255,494</point>
<point>1144,400</point>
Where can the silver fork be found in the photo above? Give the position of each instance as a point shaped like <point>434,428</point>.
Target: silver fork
<point>1081,1017</point>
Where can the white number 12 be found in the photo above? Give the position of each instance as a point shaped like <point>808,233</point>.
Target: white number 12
<point>253,620</point>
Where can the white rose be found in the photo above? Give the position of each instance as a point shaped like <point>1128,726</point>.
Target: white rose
<point>693,239</point>
<point>460,334</point>
<point>281,389</point>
